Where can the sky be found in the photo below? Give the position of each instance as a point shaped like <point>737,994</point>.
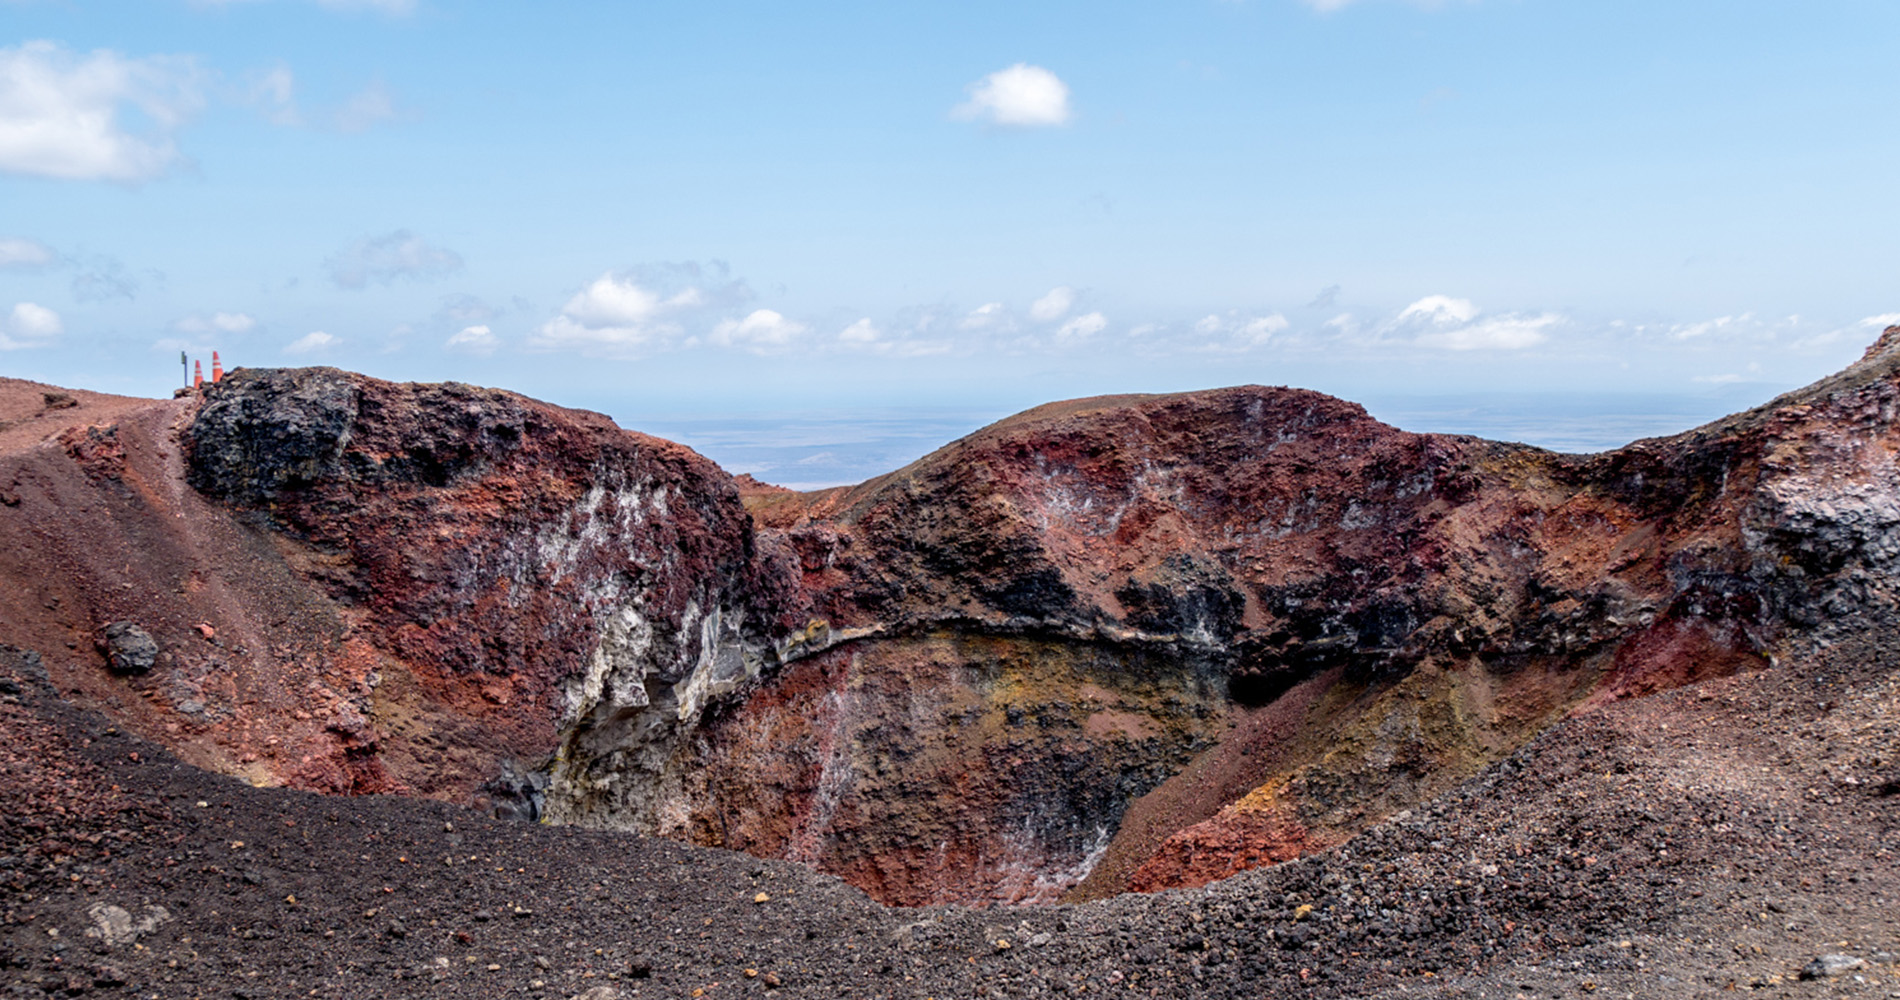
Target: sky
<point>887,221</point>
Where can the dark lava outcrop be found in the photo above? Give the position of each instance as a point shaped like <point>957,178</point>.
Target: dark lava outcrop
<point>1127,642</point>
<point>380,587</point>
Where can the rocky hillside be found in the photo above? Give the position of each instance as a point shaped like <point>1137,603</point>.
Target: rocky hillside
<point>1108,644</point>
<point>1140,642</point>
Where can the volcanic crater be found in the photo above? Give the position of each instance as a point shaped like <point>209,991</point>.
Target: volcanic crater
<point>1110,645</point>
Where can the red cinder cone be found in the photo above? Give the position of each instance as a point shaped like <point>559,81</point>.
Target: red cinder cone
<point>197,374</point>
<point>217,368</point>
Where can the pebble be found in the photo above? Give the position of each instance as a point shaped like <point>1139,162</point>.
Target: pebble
<point>1830,965</point>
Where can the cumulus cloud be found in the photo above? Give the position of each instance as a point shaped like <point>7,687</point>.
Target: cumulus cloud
<point>1054,305</point>
<point>1440,310</point>
<point>98,116</point>
<point>383,259</point>
<point>861,332</point>
<point>1882,321</point>
<point>314,342</point>
<point>1082,327</point>
<point>761,330</point>
<point>1244,331</point>
<point>1500,333</point>
<point>1022,96</point>
<point>988,316</point>
<point>23,253</point>
<point>915,331</point>
<point>631,313</point>
<point>1261,328</point>
<point>477,340</point>
<point>1453,324</point>
<point>29,325</point>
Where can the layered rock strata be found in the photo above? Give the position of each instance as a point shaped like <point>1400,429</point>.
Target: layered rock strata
<point>1357,618</point>
<point>1117,643</point>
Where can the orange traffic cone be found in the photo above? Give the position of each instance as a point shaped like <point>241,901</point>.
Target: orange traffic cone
<point>197,374</point>
<point>217,368</point>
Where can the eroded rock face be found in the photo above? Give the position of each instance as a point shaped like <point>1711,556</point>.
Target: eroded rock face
<point>1373,616</point>
<point>378,587</point>
<point>1108,644</point>
<point>550,560</point>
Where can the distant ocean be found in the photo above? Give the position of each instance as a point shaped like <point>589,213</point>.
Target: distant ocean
<point>810,450</point>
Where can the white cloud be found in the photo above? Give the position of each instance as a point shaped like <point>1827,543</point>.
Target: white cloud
<point>217,322</point>
<point>314,342</point>
<point>1236,331</point>
<point>1259,330</point>
<point>625,315</point>
<point>383,259</point>
<point>1023,95</point>
<point>761,330</point>
<point>1502,333</point>
<point>23,253</point>
<point>29,325</point>
<point>1882,321</point>
<point>612,301</point>
<point>1458,325</point>
<point>1054,305</point>
<point>1245,332</point>
<point>60,112</point>
<point>988,316</point>
<point>367,107</point>
<point>476,340</point>
<point>1440,310</point>
<point>861,332</point>
<point>1082,326</point>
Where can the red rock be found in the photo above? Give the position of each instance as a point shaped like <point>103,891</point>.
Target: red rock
<point>1127,642</point>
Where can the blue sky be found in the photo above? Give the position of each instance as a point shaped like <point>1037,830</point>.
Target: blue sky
<point>696,211</point>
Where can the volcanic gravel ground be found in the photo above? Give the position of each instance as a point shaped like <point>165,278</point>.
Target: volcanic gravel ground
<point>1711,839</point>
